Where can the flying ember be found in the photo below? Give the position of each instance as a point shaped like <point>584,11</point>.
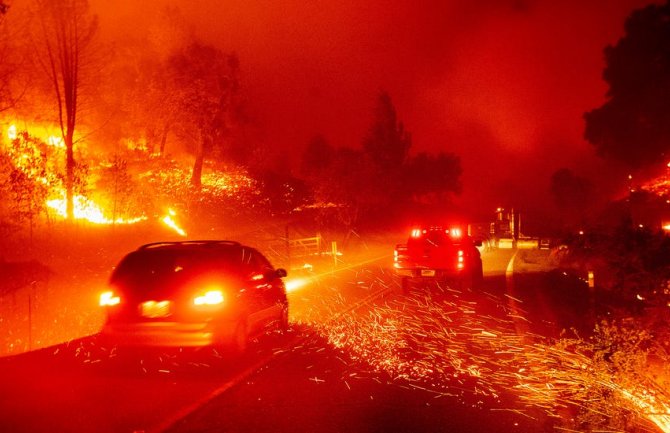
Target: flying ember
<point>440,345</point>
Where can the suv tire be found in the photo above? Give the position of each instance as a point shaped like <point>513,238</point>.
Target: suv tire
<point>240,340</point>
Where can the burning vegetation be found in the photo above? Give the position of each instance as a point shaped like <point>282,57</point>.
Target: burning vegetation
<point>108,190</point>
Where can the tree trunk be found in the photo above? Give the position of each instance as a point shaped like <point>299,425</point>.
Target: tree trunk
<point>196,176</point>
<point>164,135</point>
<point>69,178</point>
<point>116,189</point>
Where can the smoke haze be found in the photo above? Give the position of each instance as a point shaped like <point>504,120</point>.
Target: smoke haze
<point>503,84</point>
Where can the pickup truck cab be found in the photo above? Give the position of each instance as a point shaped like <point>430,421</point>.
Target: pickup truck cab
<point>436,253</point>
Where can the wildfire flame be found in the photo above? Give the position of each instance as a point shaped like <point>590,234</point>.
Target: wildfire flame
<point>56,141</point>
<point>51,140</point>
<point>86,209</point>
<point>170,222</point>
<point>12,133</point>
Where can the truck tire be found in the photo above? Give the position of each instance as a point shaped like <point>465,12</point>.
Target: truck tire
<point>283,320</point>
<point>477,277</point>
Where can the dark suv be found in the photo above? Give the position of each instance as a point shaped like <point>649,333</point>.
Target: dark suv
<point>194,293</point>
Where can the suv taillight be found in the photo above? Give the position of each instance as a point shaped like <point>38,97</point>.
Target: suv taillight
<point>211,297</point>
<point>109,299</point>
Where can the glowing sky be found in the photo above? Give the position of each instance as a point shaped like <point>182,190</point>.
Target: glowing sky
<point>504,84</point>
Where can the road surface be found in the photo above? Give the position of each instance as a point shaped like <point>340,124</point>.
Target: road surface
<point>360,357</point>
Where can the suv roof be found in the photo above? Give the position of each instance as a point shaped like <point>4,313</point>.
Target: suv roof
<point>204,243</point>
<point>162,260</point>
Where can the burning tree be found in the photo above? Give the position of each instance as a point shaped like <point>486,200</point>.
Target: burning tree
<point>119,186</point>
<point>27,179</point>
<point>64,36</point>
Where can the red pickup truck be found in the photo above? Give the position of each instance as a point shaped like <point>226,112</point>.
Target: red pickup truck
<point>437,253</point>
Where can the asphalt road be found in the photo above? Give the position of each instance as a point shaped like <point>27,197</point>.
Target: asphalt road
<point>361,357</point>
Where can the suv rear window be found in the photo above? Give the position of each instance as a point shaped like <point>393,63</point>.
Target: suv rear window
<point>149,266</point>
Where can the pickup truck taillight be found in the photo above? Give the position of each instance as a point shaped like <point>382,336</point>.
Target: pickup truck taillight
<point>461,260</point>
<point>399,255</point>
